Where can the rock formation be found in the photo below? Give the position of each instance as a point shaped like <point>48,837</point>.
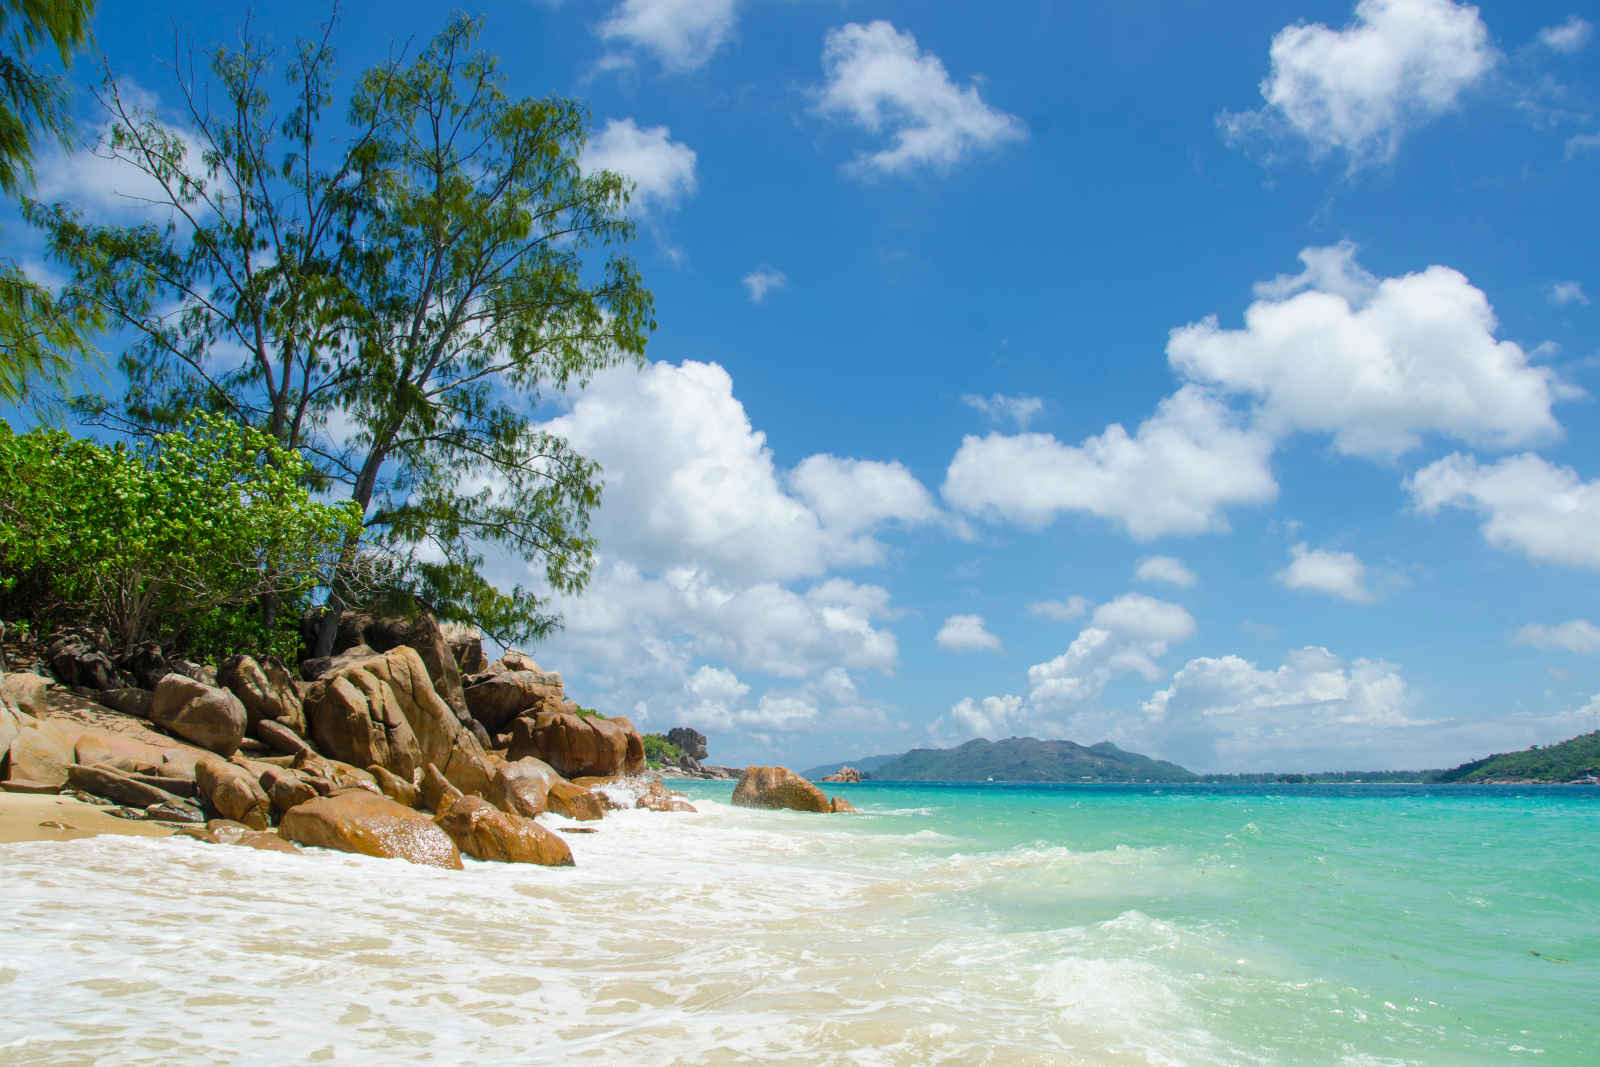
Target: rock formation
<point>779,787</point>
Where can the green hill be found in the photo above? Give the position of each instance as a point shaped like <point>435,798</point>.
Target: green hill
<point>1027,759</point>
<point>1570,761</point>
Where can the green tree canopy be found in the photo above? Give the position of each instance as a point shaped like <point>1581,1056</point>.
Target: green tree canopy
<point>153,541</point>
<point>392,297</point>
<point>38,332</point>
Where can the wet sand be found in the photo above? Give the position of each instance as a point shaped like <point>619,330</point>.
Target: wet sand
<point>25,817</point>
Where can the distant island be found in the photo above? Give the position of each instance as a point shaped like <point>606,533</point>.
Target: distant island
<point>1028,759</point>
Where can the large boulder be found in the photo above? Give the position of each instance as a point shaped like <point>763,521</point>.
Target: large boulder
<point>314,670</point>
<point>372,825</point>
<point>384,710</point>
<point>279,738</point>
<point>287,788</point>
<point>39,756</point>
<point>485,832</point>
<point>522,787</point>
<point>575,802</point>
<point>466,645</point>
<point>210,717</point>
<point>102,781</point>
<point>423,636</point>
<point>233,793</point>
<point>26,691</point>
<point>579,746</point>
<point>778,787</point>
<point>11,723</point>
<point>691,743</point>
<point>500,698</point>
<point>75,659</point>
<point>843,774</point>
<point>145,663</point>
<point>266,689</point>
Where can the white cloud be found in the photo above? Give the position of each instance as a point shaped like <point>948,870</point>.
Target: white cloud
<point>879,79</point>
<point>1073,607</point>
<point>1564,293</point>
<point>1174,475</point>
<point>1376,363</point>
<point>661,169</point>
<point>848,495</point>
<point>1001,408</point>
<point>1575,635</point>
<point>689,482</point>
<point>1165,569</point>
<point>1305,714</point>
<point>1568,37</point>
<point>683,34</point>
<point>991,717</point>
<point>763,280</point>
<point>1546,512</point>
<point>1318,570</point>
<point>1395,66</point>
<point>1124,636</point>
<point>103,181</point>
<point>966,633</point>
<point>1581,142</point>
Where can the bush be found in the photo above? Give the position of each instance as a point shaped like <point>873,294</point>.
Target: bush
<point>658,751</point>
<point>202,537</point>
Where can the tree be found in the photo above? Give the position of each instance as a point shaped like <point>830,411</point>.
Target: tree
<point>37,330</point>
<point>393,303</point>
<point>161,539</point>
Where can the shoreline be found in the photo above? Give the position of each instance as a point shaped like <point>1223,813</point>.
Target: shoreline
<point>24,817</point>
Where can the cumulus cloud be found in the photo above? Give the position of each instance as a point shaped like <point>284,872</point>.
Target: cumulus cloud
<point>682,34</point>
<point>880,80</point>
<point>689,482</point>
<point>1124,636</point>
<point>102,180</point>
<point>991,717</point>
<point>848,495</point>
<point>1074,607</point>
<point>1165,569</point>
<point>1318,570</point>
<point>1376,363</point>
<point>1174,475</point>
<point>1397,65</point>
<point>966,633</point>
<point>1563,293</point>
<point>1569,37</point>
<point>763,280</point>
<point>662,170</point>
<point>1575,635</point>
<point>1227,712</point>
<point>1020,410</point>
<point>1544,511</point>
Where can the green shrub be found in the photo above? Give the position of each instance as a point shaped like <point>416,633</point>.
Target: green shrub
<point>658,751</point>
<point>184,539</point>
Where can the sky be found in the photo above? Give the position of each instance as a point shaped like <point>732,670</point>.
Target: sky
<point>1216,381</point>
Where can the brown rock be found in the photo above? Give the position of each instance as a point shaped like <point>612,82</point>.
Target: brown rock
<point>437,792</point>
<point>498,699</point>
<point>341,775</point>
<point>522,786</point>
<point>28,785</point>
<point>266,690</point>
<point>287,789</point>
<point>38,755</point>
<point>76,660</point>
<point>11,724</point>
<point>843,774</point>
<point>355,717</point>
<point>146,663</point>
<point>232,792</point>
<point>371,825</point>
<point>840,804</point>
<point>266,841</point>
<point>128,700</point>
<point>575,802</point>
<point>105,782</point>
<point>577,746</point>
<point>126,754</point>
<point>210,717</point>
<point>466,645</point>
<point>484,832</point>
<point>313,670</point>
<point>26,692</point>
<point>395,787</point>
<point>423,636</point>
<point>778,787</point>
<point>278,737</point>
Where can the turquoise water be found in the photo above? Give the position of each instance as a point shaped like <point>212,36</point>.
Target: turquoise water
<point>1292,924</point>
<point>944,925</point>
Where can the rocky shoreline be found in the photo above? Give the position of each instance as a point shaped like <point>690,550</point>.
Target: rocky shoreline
<point>405,743</point>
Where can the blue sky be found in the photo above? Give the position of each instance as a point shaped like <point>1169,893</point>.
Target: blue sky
<point>1219,382</point>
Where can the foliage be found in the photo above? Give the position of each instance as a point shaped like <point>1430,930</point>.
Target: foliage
<point>178,538</point>
<point>659,752</point>
<point>38,330</point>
<point>589,713</point>
<point>1571,760</point>
<point>391,297</point>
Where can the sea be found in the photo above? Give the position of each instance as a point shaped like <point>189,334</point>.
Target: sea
<point>945,924</point>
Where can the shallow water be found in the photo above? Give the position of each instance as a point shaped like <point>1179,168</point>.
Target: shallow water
<point>947,924</point>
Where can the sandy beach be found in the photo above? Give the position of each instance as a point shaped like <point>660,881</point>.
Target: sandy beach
<point>32,817</point>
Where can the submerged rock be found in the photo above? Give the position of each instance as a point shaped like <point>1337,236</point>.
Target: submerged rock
<point>370,824</point>
<point>778,787</point>
<point>485,832</point>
